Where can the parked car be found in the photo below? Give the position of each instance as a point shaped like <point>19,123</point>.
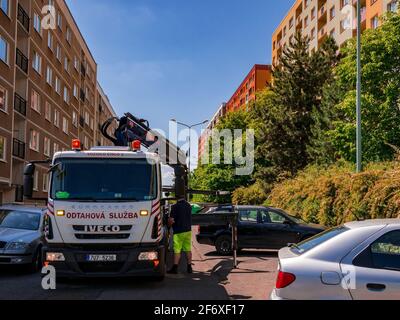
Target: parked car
<point>21,236</point>
<point>357,261</point>
<point>258,228</point>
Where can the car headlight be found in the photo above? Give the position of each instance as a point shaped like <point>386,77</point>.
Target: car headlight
<point>17,246</point>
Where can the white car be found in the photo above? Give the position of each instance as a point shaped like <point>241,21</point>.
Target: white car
<point>357,261</point>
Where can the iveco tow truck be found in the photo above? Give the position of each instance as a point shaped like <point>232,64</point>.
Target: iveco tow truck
<point>105,214</point>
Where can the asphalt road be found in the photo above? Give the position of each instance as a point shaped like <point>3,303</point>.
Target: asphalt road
<point>213,279</point>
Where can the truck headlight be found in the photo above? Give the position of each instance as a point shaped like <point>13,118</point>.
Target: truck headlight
<point>148,256</point>
<point>54,257</point>
<point>17,246</point>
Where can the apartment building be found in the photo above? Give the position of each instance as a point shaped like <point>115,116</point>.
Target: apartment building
<point>259,77</point>
<point>221,112</point>
<point>105,111</point>
<point>319,18</point>
<point>48,90</point>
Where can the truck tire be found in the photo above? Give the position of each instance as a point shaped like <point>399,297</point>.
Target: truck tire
<point>223,245</point>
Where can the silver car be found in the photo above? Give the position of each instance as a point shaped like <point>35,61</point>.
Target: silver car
<point>357,261</point>
<point>21,236</point>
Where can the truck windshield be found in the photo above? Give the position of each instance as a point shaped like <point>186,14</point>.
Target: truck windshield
<point>104,180</point>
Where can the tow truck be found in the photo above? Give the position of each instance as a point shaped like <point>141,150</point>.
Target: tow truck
<point>105,207</point>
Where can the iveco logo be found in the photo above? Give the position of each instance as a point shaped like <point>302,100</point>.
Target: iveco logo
<point>102,229</point>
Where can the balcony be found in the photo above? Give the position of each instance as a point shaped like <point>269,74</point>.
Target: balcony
<point>83,70</point>
<point>22,61</point>
<point>322,33</point>
<point>19,104</point>
<point>82,95</point>
<point>322,12</point>
<point>18,149</point>
<point>23,18</point>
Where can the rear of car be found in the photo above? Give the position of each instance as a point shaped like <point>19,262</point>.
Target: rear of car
<point>312,270</point>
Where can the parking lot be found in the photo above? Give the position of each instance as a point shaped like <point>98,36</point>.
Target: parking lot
<point>213,279</point>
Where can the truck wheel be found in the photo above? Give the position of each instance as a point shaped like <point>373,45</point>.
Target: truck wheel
<point>223,245</point>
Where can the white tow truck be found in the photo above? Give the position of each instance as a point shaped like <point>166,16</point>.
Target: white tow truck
<point>105,214</point>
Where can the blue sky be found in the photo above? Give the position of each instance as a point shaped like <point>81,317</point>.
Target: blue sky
<point>163,59</point>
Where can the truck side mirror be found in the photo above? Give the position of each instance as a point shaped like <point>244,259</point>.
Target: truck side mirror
<point>29,173</point>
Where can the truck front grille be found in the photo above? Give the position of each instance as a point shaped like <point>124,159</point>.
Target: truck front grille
<point>85,236</point>
<point>2,244</point>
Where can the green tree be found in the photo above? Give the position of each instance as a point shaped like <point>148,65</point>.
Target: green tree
<point>290,113</point>
<point>223,177</point>
<point>380,58</point>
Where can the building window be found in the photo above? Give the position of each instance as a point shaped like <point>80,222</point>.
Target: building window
<point>374,22</point>
<point>45,182</point>
<point>65,125</point>
<point>4,6</point>
<point>306,3</point>
<point>332,13</point>
<point>2,148</point>
<point>37,62</point>
<point>66,95</point>
<point>76,91</point>
<point>36,181</point>
<point>34,140</point>
<point>50,41</point>
<point>46,148</point>
<point>306,22</point>
<point>35,101</point>
<point>313,34</point>
<point>37,23</point>
<point>86,142</point>
<point>3,49</point>
<point>57,118</point>
<point>74,119</point>
<point>87,118</point>
<point>3,99</point>
<point>344,3</point>
<point>56,147</point>
<point>59,20</point>
<point>76,63</point>
<point>47,111</point>
<point>58,85</point>
<point>69,35</point>
<point>66,64</point>
<point>58,52</point>
<point>291,23</point>
<point>49,76</point>
<point>392,6</point>
<point>313,13</point>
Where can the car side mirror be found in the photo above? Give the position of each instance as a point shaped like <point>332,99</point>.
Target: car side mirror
<point>287,222</point>
<point>29,173</point>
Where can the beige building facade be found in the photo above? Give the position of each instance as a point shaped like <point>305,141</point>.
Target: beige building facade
<point>48,90</point>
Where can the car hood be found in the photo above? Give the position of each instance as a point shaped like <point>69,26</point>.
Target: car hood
<point>15,235</point>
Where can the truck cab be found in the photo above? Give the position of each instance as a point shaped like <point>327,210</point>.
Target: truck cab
<point>104,215</point>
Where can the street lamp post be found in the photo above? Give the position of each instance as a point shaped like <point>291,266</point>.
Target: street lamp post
<point>359,132</point>
<point>190,127</point>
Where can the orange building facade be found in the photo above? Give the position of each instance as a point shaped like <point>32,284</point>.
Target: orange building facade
<point>319,18</point>
<point>257,79</point>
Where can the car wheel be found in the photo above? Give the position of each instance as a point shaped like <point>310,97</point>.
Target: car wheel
<point>223,245</point>
<point>36,264</point>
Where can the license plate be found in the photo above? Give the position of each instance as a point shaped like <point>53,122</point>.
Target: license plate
<point>101,257</point>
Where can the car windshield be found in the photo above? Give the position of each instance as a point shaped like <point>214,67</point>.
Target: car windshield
<point>317,240</point>
<point>104,180</point>
<point>15,219</point>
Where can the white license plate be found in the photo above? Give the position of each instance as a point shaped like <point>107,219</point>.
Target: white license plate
<point>101,257</point>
